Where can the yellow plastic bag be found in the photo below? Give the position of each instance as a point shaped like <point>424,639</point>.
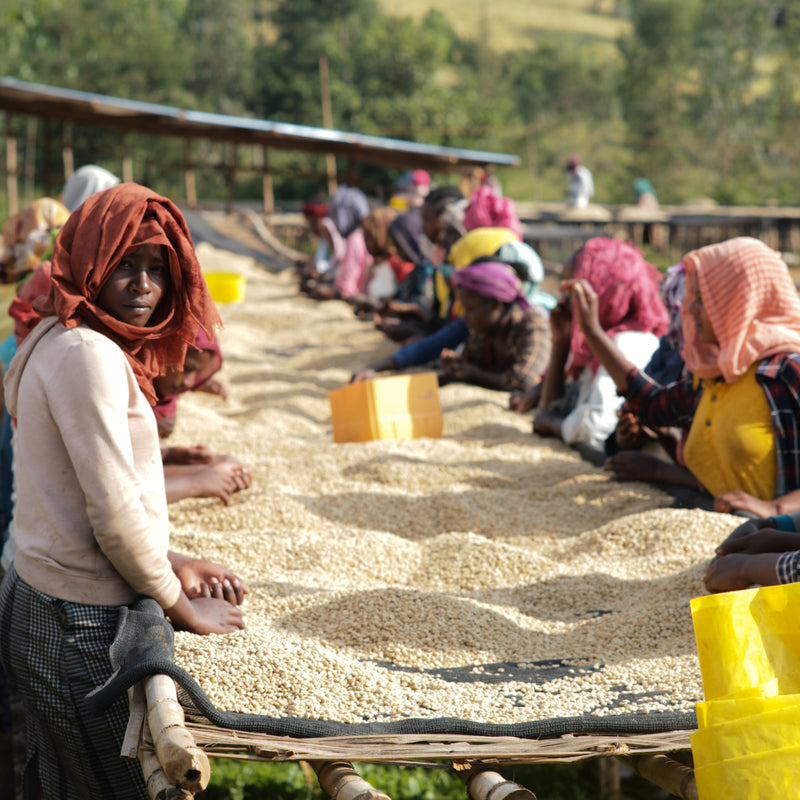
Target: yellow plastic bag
<point>771,775</point>
<point>747,639</point>
<point>776,728</point>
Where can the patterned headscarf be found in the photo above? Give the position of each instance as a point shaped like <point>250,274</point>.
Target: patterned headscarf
<point>347,208</point>
<point>751,301</point>
<point>487,209</point>
<point>673,293</point>
<point>491,279</point>
<point>627,294</point>
<point>90,246</point>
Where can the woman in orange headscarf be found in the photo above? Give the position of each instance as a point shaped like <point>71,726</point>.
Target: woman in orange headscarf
<point>90,526</point>
<point>741,402</point>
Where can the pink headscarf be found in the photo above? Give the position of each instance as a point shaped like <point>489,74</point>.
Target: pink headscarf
<point>491,279</point>
<point>487,209</point>
<point>751,301</point>
<point>627,293</point>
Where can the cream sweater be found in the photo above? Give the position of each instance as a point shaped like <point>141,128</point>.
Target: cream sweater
<point>90,520</point>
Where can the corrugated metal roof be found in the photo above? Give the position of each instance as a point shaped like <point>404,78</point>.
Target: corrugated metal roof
<point>101,110</point>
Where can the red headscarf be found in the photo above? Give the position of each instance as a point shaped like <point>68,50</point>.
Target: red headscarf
<point>90,246</point>
<point>628,297</point>
<point>21,308</point>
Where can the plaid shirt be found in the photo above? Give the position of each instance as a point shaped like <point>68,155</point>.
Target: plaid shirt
<point>519,348</point>
<point>779,376</point>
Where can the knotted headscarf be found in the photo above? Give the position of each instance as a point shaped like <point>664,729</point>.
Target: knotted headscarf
<point>89,248</point>
<point>751,301</point>
<point>627,294</point>
<point>492,279</point>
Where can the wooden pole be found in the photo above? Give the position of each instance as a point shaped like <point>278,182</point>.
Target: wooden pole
<point>127,161</point>
<point>67,154</point>
<point>327,119</point>
<point>188,175</point>
<point>231,189</point>
<point>12,170</point>
<point>665,772</point>
<point>268,187</point>
<point>488,785</point>
<point>185,764</point>
<point>30,161</point>
<point>342,782</point>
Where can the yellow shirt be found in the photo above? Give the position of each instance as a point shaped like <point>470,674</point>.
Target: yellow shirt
<point>731,443</point>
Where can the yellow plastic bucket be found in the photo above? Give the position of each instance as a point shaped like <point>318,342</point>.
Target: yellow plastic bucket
<point>225,287</point>
<point>396,407</point>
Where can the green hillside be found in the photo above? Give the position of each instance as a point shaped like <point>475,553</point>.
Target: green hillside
<point>511,24</point>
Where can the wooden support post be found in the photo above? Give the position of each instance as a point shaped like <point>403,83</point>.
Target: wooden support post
<point>158,784</point>
<point>268,187</point>
<point>67,154</point>
<point>665,772</point>
<point>127,161</point>
<point>342,782</point>
<point>12,169</point>
<point>327,119</point>
<point>231,187</point>
<point>185,764</point>
<point>488,785</point>
<point>188,175</point>
<point>30,161</point>
<point>608,778</point>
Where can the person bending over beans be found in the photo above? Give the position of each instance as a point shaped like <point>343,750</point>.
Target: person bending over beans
<point>741,401</point>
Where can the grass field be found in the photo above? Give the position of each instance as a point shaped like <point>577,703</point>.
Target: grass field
<point>512,24</point>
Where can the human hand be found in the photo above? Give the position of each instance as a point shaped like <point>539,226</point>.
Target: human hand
<point>585,307</point>
<point>205,615</point>
<point>217,388</point>
<point>522,401</point>
<point>365,374</point>
<point>739,571</point>
<point>763,540</point>
<point>750,526</point>
<point>742,501</point>
<point>220,481</point>
<point>561,321</point>
<point>547,423</point>
<point>201,578</point>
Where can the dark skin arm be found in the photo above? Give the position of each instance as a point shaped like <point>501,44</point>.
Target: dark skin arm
<point>384,365</point>
<point>209,598</point>
<point>547,422</point>
<point>742,501</point>
<point>459,370</point>
<point>749,560</point>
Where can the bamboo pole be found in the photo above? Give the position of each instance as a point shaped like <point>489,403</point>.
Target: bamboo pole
<point>342,782</point>
<point>67,153</point>
<point>268,188</point>
<point>665,772</point>
<point>11,168</point>
<point>185,764</point>
<point>488,785</point>
<point>158,785</point>
<point>327,119</point>
<point>188,175</point>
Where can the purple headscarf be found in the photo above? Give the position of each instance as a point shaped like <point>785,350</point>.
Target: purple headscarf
<point>491,279</point>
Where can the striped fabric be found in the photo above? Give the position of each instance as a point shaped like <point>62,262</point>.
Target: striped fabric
<point>54,653</point>
<point>751,301</point>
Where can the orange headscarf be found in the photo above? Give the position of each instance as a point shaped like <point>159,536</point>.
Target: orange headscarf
<point>751,301</point>
<point>89,248</point>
